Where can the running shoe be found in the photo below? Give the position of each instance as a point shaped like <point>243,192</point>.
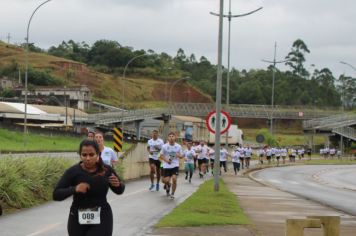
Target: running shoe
<point>190,180</point>
<point>172,196</point>
<point>152,187</point>
<point>157,187</point>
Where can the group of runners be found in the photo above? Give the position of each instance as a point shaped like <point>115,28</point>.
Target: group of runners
<point>164,162</point>
<point>328,152</point>
<point>281,153</point>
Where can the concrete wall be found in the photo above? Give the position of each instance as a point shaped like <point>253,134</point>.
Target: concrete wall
<point>135,162</point>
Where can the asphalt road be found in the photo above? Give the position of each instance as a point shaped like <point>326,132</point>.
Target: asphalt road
<point>135,212</point>
<point>332,185</point>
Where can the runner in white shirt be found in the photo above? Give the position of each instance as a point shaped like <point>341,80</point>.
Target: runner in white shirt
<point>107,154</point>
<point>235,157</point>
<point>284,155</point>
<point>268,155</point>
<point>202,151</point>
<point>170,154</point>
<point>154,146</point>
<point>248,156</point>
<point>260,154</point>
<point>242,156</point>
<point>189,155</point>
<point>223,158</point>
<point>211,153</point>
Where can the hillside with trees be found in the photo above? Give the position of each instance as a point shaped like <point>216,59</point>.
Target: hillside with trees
<point>107,58</point>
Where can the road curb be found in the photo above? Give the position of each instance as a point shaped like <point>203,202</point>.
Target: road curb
<point>250,175</point>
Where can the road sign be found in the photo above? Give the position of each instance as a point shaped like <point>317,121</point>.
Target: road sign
<point>260,138</point>
<point>225,122</point>
<point>118,139</point>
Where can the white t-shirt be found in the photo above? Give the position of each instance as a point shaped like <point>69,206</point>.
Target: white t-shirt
<point>223,154</point>
<point>212,153</point>
<point>236,156</point>
<point>202,151</point>
<point>189,156</point>
<point>248,152</point>
<point>170,152</point>
<point>155,147</point>
<point>108,155</point>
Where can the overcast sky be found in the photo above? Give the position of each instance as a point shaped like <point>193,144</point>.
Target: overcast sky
<point>328,27</point>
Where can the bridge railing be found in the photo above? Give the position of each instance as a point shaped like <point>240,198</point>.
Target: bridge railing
<point>338,120</point>
<point>346,132</point>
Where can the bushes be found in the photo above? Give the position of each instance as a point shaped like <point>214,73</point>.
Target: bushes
<point>270,140</point>
<point>25,182</point>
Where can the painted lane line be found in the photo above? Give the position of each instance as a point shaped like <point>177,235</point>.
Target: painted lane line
<point>127,195</point>
<point>45,229</point>
<point>275,181</point>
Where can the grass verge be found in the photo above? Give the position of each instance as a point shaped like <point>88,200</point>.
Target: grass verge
<point>12,141</point>
<point>206,207</point>
<point>26,182</point>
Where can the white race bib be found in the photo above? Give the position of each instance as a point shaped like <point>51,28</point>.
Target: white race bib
<point>89,216</point>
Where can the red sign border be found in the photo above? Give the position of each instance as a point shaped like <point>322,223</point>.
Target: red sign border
<point>211,114</point>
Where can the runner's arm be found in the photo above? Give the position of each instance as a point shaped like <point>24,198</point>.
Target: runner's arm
<point>63,188</point>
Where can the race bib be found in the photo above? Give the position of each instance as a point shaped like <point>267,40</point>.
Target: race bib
<point>172,155</point>
<point>89,216</point>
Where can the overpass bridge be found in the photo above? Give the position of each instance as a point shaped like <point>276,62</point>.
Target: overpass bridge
<point>203,109</point>
<point>341,124</point>
<point>115,118</point>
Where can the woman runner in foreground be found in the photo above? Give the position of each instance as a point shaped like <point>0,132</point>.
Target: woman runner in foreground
<point>88,182</point>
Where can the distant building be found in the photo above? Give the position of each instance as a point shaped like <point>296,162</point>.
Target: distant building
<point>79,97</point>
<point>6,83</point>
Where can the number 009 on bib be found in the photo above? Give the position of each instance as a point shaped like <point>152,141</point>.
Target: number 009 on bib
<point>89,216</point>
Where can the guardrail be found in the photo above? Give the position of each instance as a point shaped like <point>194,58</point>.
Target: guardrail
<point>335,121</point>
<point>347,132</point>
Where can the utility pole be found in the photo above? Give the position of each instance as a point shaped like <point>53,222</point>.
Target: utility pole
<point>26,70</point>
<point>229,17</point>
<point>274,62</point>
<point>218,100</point>
<point>8,38</point>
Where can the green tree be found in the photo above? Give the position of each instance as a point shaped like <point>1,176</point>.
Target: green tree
<point>296,58</point>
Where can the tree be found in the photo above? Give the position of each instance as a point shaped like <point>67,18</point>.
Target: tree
<point>296,58</point>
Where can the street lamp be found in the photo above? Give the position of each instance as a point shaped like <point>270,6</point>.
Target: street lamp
<point>274,62</point>
<point>26,71</point>
<point>123,88</point>
<point>170,91</point>
<point>348,64</point>
<point>229,16</point>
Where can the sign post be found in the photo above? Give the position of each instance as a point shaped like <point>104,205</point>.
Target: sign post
<point>211,121</point>
<point>118,139</point>
<point>218,123</point>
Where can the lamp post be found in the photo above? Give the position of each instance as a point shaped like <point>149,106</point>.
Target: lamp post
<point>274,62</point>
<point>123,88</point>
<point>348,64</point>
<point>170,91</point>
<point>229,16</point>
<point>343,98</point>
<point>26,71</point>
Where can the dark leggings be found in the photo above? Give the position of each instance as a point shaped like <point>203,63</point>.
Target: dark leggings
<point>105,228</point>
<point>223,164</point>
<point>236,166</point>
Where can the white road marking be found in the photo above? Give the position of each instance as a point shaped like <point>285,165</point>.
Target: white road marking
<point>45,229</point>
<point>293,182</point>
<point>127,195</point>
<point>275,181</point>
